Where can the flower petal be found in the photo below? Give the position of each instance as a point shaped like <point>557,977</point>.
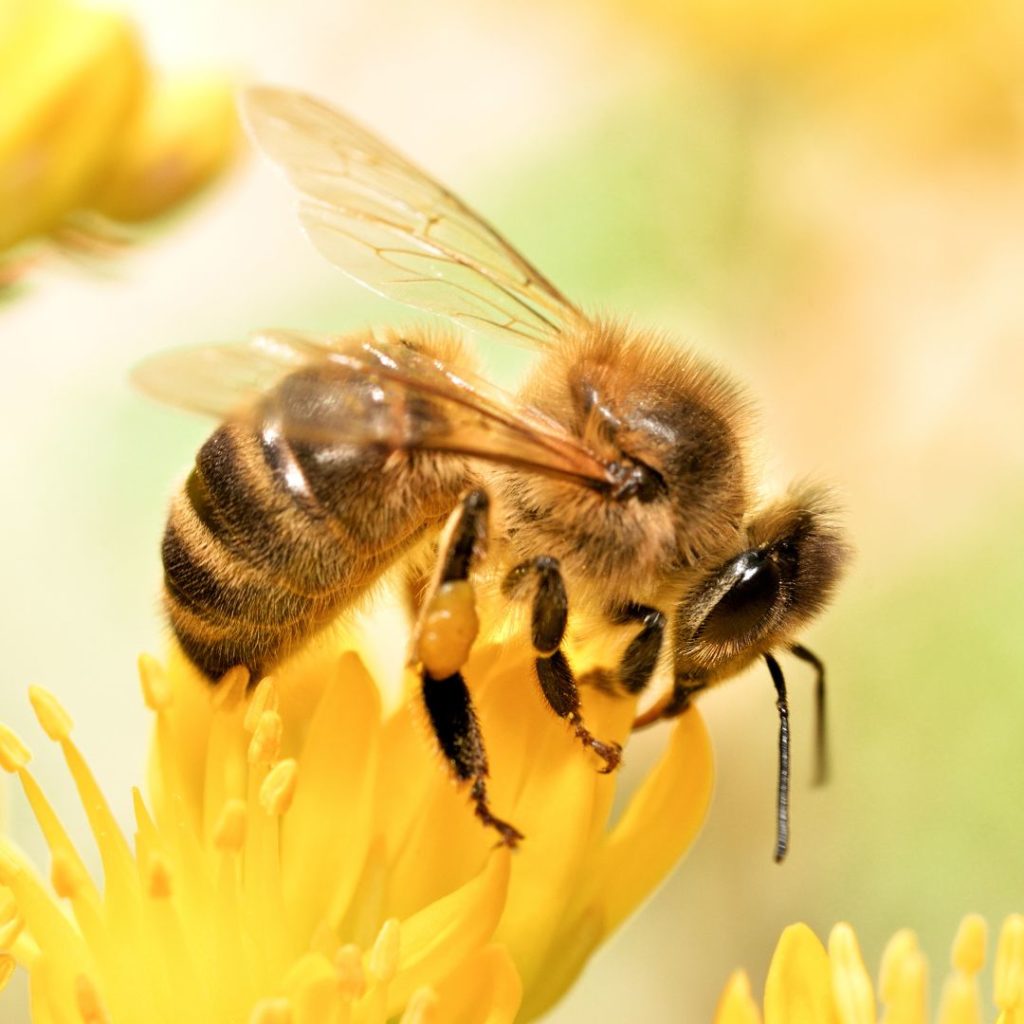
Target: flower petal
<point>798,989</point>
<point>660,823</point>
<point>854,993</point>
<point>484,989</point>
<point>336,768</point>
<point>434,941</point>
<point>736,1005</point>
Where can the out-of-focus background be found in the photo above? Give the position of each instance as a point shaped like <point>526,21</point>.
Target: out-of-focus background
<point>827,199</point>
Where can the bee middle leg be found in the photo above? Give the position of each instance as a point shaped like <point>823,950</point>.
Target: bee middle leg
<point>444,637</point>
<point>549,617</point>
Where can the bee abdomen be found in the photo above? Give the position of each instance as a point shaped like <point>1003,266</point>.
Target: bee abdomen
<point>271,538</point>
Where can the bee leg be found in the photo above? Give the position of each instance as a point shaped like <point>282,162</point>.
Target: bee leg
<point>673,705</point>
<point>443,640</point>
<point>458,734</point>
<point>549,617</point>
<point>641,656</point>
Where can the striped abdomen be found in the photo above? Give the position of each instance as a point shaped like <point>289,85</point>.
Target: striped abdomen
<point>280,527</point>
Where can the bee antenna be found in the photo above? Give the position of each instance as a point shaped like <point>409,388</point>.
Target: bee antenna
<point>782,789</point>
<point>821,758</point>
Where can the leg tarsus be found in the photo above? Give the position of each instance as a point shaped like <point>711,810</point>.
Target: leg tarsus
<point>510,836</point>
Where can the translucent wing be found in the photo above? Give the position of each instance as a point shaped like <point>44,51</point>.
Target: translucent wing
<point>394,229</point>
<point>365,392</point>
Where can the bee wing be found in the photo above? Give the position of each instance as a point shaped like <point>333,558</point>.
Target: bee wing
<point>394,229</point>
<point>368,393</point>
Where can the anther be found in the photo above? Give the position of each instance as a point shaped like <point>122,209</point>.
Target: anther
<point>158,877</point>
<point>386,949</point>
<point>229,832</point>
<point>348,964</point>
<point>88,1002</point>
<point>969,945</point>
<point>265,744</point>
<point>1009,966</point>
<point>65,875</point>
<point>14,755</point>
<point>52,716</point>
<point>279,787</point>
<point>421,1006</point>
<point>271,1011</point>
<point>156,690</point>
<point>263,698</point>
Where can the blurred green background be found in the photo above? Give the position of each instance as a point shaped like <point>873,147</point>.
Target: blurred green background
<point>827,199</point>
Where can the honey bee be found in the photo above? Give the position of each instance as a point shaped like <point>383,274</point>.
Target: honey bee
<point>615,483</point>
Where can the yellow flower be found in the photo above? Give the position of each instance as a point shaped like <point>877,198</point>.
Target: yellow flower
<point>921,75</point>
<point>86,128</point>
<point>807,985</point>
<point>304,857</point>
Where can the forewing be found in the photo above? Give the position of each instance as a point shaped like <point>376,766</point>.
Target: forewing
<point>366,393</point>
<point>394,229</point>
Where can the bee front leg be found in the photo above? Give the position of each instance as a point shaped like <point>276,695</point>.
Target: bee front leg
<point>549,618</point>
<point>641,656</point>
<point>443,640</point>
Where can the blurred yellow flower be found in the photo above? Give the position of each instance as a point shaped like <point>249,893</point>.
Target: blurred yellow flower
<point>923,75</point>
<point>807,985</point>
<point>304,857</point>
<point>88,130</point>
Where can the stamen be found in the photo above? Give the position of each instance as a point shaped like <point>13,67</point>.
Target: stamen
<point>271,1011</point>
<point>229,832</point>
<point>265,744</point>
<point>851,984</point>
<point>230,688</point>
<point>278,787</point>
<point>969,945</point>
<point>384,955</point>
<point>1009,967</point>
<point>87,999</point>
<point>264,698</point>
<point>54,719</point>
<point>158,876</point>
<point>421,1006</point>
<point>959,1003</point>
<point>348,963</point>
<point>65,875</point>
<point>13,753</point>
<point>156,690</point>
<point>900,949</point>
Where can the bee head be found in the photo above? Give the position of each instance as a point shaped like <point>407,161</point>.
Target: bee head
<point>758,597</point>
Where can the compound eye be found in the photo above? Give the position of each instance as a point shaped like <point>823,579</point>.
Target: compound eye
<point>748,601</point>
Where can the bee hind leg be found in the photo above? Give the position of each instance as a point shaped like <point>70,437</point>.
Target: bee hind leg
<point>549,618</point>
<point>443,639</point>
